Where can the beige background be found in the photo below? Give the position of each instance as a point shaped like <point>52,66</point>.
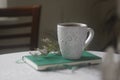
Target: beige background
<point>91,12</point>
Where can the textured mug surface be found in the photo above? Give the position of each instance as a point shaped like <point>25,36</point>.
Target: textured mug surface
<point>73,38</point>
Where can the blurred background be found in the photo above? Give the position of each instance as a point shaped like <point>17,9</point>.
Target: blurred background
<point>101,15</point>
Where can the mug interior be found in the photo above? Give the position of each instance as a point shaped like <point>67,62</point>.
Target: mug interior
<point>72,24</point>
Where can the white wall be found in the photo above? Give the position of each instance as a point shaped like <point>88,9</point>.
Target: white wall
<point>3,3</point>
<point>55,11</point>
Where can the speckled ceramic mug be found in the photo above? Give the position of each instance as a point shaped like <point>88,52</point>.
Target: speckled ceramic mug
<point>73,38</point>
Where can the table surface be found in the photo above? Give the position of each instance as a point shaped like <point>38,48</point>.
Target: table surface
<point>10,70</point>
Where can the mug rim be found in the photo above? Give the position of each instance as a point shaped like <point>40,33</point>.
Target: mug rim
<point>72,24</point>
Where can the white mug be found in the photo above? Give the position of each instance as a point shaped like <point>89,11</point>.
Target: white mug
<point>73,38</point>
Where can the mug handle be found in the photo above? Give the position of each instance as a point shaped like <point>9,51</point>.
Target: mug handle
<point>90,36</point>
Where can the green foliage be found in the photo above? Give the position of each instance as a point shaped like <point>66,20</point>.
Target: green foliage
<point>49,46</point>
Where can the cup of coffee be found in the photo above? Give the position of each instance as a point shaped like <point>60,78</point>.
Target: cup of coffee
<point>73,38</point>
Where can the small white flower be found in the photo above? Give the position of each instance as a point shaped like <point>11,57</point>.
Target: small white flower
<point>35,53</point>
<point>46,40</point>
<point>44,51</point>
